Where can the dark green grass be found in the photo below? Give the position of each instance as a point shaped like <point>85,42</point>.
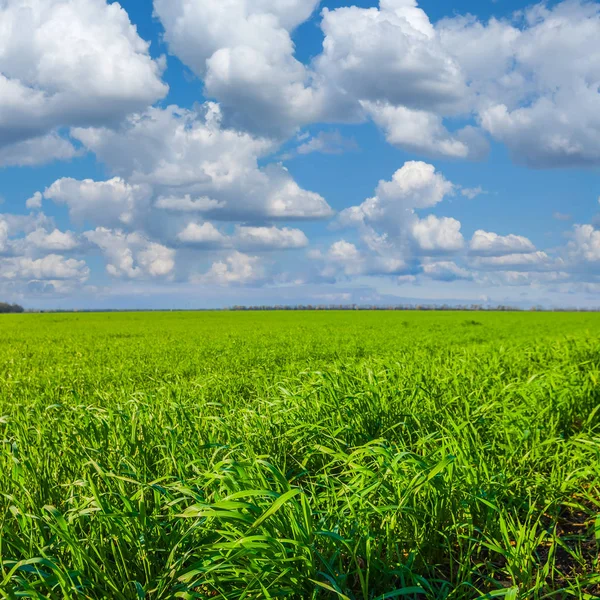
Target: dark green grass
<point>300,455</point>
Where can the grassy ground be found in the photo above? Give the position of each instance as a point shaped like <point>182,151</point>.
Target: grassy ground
<point>300,455</point>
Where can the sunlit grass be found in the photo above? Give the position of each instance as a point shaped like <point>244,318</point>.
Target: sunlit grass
<point>304,455</point>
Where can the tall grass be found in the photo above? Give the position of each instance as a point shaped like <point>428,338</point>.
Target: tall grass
<point>343,456</point>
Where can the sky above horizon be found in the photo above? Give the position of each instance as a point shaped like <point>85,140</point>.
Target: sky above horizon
<point>208,153</point>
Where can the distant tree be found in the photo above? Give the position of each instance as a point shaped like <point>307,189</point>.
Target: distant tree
<point>10,308</point>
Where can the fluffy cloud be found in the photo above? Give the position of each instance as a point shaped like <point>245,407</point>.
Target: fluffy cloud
<point>485,243</point>
<point>236,269</point>
<point>132,255</point>
<point>393,235</point>
<point>187,204</point>
<point>35,202</point>
<point>3,235</point>
<point>424,133</point>
<point>194,164</point>
<point>110,203</point>
<point>53,241</point>
<point>435,235</point>
<point>530,81</point>
<point>269,238</point>
<point>50,268</point>
<point>66,63</point>
<point>390,54</point>
<point>536,80</point>
<point>36,151</point>
<point>416,185</point>
<point>243,51</point>
<point>585,245</point>
<point>203,234</point>
<point>533,261</point>
<point>344,256</point>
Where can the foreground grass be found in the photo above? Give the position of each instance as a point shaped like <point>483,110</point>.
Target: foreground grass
<point>336,455</point>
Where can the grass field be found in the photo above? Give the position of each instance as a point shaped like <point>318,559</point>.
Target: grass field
<point>300,455</point>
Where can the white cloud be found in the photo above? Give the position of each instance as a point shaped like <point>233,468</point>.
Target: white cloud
<point>416,185</point>
<point>434,235</point>
<point>204,234</point>
<point>536,80</point>
<point>187,204</point>
<point>530,82</point>
<point>132,255</point>
<point>345,257</point>
<point>65,63</point>
<point>188,157</point>
<point>243,51</point>
<point>236,269</point>
<point>472,193</point>
<point>445,271</point>
<point>390,228</point>
<point>110,203</point>
<point>3,235</point>
<point>513,262</point>
<point>269,238</point>
<point>485,243</point>
<point>390,55</point>
<point>48,268</point>
<point>585,245</point>
<point>424,133</point>
<point>35,202</point>
<point>36,151</point>
<point>53,241</point>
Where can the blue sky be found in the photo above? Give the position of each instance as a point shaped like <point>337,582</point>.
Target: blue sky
<point>202,153</point>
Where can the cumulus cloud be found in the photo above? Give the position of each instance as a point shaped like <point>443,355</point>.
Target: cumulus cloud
<point>68,63</point>
<point>110,203</point>
<point>532,261</point>
<point>389,223</point>
<point>416,185</point>
<point>236,269</point>
<point>536,80</point>
<point>424,133</point>
<point>391,54</point>
<point>3,235</point>
<point>485,243</point>
<point>243,51</point>
<point>36,151</point>
<point>195,164</point>
<point>585,245</point>
<point>394,238</point>
<point>202,234</point>
<point>53,241</point>
<point>187,204</point>
<point>48,268</point>
<point>434,235</point>
<point>269,238</point>
<point>132,255</point>
<point>35,202</point>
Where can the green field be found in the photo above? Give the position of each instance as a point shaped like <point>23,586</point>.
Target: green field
<point>300,455</point>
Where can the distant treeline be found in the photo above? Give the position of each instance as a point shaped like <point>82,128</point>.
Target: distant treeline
<point>332,307</point>
<point>411,307</point>
<point>10,308</point>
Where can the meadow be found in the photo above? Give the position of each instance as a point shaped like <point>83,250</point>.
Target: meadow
<point>332,455</point>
